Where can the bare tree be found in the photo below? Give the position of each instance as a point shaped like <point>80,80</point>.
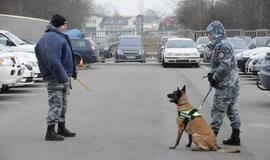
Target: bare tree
<point>74,10</point>
<point>243,14</point>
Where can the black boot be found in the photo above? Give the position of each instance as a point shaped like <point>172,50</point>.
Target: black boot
<point>234,139</point>
<point>63,131</point>
<point>51,135</point>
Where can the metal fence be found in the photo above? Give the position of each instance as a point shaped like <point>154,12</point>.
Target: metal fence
<point>108,41</point>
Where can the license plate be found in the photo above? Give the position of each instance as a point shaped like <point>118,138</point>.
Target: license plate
<point>181,58</point>
<point>130,57</point>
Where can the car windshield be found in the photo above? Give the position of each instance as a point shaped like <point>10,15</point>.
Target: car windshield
<point>14,38</point>
<point>130,41</point>
<point>202,40</point>
<point>238,43</point>
<point>261,41</point>
<point>78,43</point>
<point>180,44</point>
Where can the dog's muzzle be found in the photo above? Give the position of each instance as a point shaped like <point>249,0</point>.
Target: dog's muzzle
<point>172,99</point>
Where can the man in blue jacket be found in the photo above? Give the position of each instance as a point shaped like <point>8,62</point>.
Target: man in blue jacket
<point>56,64</point>
<point>224,78</point>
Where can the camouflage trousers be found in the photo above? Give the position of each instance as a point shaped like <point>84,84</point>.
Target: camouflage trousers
<point>57,100</point>
<point>222,106</point>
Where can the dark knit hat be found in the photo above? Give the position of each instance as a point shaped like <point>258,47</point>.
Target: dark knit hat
<point>58,20</point>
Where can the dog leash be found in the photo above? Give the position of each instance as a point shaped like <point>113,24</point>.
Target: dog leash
<point>201,105</point>
<point>84,85</point>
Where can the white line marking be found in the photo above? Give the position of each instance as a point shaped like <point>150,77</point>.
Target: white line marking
<point>10,102</point>
<point>205,67</point>
<point>18,94</point>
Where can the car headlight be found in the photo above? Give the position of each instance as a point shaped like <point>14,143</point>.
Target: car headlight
<point>6,62</point>
<point>261,61</point>
<point>254,61</point>
<point>32,63</point>
<point>28,66</point>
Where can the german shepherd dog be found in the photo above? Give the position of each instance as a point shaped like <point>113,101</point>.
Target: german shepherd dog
<point>199,131</point>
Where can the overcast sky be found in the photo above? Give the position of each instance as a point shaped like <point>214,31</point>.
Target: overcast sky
<point>133,7</point>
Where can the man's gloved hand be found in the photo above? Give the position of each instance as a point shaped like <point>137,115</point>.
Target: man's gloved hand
<point>74,75</point>
<point>212,82</point>
<point>67,87</point>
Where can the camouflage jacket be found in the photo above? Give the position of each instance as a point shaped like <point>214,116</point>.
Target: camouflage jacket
<point>224,69</point>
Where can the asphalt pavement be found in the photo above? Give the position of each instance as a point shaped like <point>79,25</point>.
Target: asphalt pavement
<point>127,116</point>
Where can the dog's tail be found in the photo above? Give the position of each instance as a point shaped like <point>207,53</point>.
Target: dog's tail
<point>229,150</point>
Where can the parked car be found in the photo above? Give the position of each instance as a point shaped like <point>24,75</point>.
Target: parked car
<point>264,74</point>
<point>82,48</point>
<point>96,49</point>
<point>205,52</point>
<point>258,42</point>
<point>243,57</point>
<point>255,63</point>
<point>161,46</point>
<point>131,48</point>
<point>27,61</point>
<point>105,46</point>
<point>247,39</point>
<point>180,50</point>
<point>238,44</point>
<point>10,71</point>
<point>9,39</point>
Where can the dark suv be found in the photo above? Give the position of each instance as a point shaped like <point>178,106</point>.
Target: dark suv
<point>131,48</point>
<point>85,49</point>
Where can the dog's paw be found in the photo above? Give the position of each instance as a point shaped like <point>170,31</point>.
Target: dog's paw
<point>172,147</point>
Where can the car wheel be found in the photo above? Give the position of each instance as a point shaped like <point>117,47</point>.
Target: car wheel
<point>4,89</point>
<point>197,65</point>
<point>77,59</point>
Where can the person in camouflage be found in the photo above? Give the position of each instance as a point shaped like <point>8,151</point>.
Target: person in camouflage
<point>56,63</point>
<point>224,78</point>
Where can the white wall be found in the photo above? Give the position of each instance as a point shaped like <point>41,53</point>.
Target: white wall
<point>25,27</point>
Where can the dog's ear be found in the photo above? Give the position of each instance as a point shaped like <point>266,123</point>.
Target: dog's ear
<point>178,89</point>
<point>184,88</point>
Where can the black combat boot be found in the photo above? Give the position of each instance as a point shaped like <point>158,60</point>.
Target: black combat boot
<point>234,139</point>
<point>51,135</point>
<point>63,131</point>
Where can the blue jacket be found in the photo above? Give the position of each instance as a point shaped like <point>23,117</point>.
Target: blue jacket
<point>55,56</point>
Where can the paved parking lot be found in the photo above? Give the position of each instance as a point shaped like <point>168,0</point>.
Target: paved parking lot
<point>126,116</point>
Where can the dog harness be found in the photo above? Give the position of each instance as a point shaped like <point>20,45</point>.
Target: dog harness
<point>188,115</point>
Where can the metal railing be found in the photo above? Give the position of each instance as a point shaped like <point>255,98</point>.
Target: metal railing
<point>108,41</point>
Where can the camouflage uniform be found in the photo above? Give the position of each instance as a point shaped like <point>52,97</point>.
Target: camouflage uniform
<point>57,100</point>
<point>224,71</point>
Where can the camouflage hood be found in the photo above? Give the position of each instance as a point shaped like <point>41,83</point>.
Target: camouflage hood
<point>216,30</point>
